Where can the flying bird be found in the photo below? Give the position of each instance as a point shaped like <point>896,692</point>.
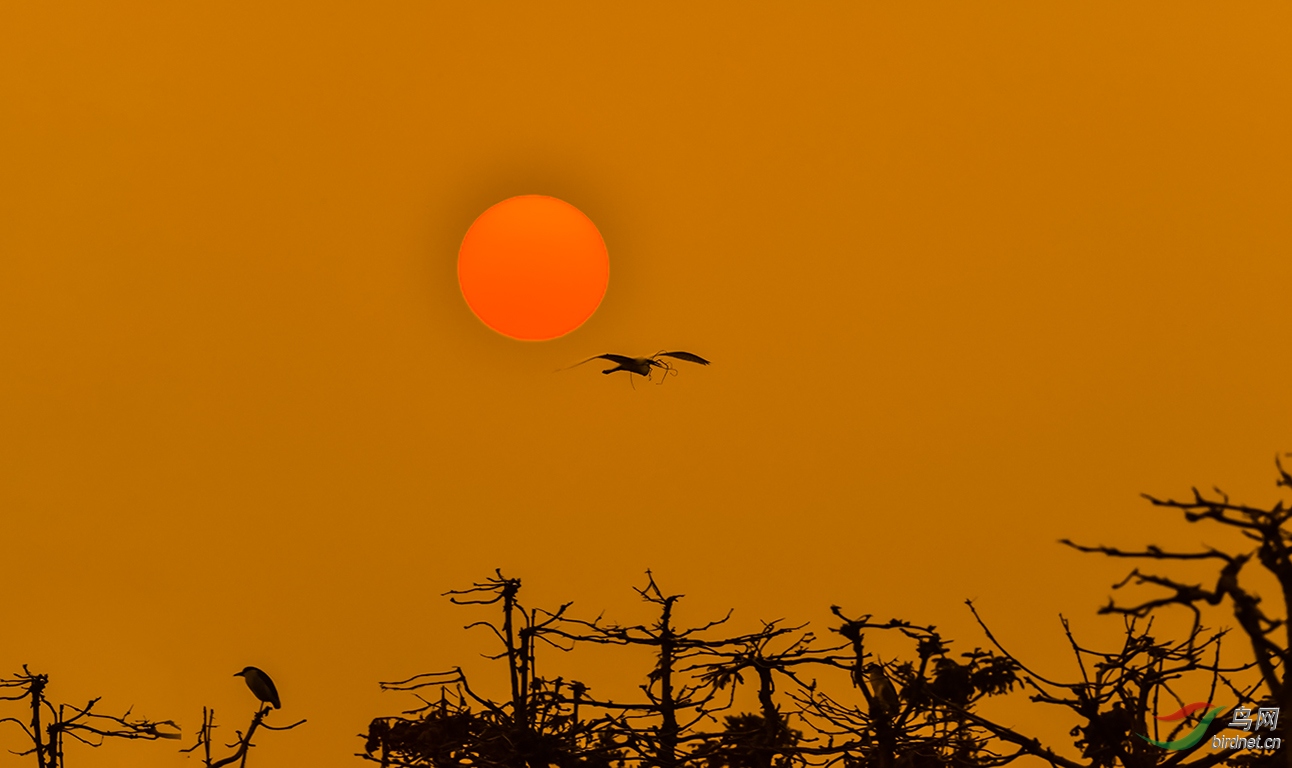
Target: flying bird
<point>261,686</point>
<point>644,366</point>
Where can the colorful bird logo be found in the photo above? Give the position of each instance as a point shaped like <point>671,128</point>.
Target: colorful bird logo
<point>1192,738</point>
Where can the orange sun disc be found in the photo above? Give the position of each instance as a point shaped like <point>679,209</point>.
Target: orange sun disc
<point>533,267</point>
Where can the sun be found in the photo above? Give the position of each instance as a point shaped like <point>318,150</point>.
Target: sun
<point>533,267</point>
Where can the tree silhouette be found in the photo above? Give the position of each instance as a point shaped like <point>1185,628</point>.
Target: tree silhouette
<point>1261,534</point>
<point>766,739</point>
<point>917,712</point>
<point>694,678</point>
<point>779,696</point>
<point>539,726</point>
<point>50,726</point>
<point>1118,692</point>
<point>241,746</point>
<point>920,709</point>
<point>686,686</point>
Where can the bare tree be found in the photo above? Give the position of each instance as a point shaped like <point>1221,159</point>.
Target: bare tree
<point>917,712</point>
<point>1118,692</point>
<point>682,690</point>
<point>50,726</point>
<point>918,709</point>
<point>693,680</point>
<point>768,738</point>
<point>241,746</point>
<point>1261,534</point>
<point>539,726</point>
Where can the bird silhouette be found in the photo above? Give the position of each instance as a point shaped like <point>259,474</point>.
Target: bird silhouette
<point>952,681</point>
<point>885,695</point>
<point>643,366</point>
<point>261,686</point>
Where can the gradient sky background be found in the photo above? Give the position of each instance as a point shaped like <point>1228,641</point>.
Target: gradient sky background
<point>972,278</point>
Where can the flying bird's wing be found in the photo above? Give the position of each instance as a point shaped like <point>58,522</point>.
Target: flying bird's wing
<point>616,359</point>
<point>687,356</point>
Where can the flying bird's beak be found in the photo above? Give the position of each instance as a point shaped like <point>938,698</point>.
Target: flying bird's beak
<point>237,674</point>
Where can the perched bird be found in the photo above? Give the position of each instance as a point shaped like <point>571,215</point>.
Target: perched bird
<point>260,685</point>
<point>885,696</point>
<point>642,366</point>
<point>952,681</point>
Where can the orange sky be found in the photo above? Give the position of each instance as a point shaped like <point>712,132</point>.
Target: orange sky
<point>971,279</point>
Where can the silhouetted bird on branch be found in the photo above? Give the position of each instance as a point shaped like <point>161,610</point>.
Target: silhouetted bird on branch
<point>260,685</point>
<point>952,682</point>
<point>643,366</point>
<point>885,695</point>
